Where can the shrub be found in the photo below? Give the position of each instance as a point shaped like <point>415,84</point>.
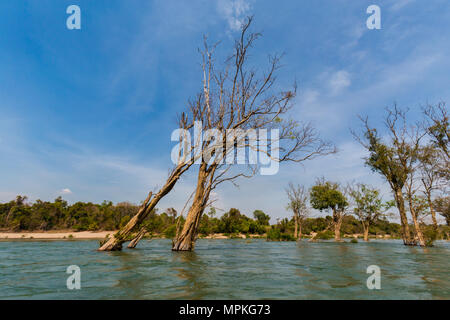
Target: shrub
<point>325,235</point>
<point>170,231</point>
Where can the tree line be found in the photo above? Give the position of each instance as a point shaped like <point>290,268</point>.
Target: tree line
<point>23,215</point>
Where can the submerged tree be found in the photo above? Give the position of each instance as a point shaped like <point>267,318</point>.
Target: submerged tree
<point>184,159</point>
<point>298,203</point>
<point>326,195</point>
<point>395,159</point>
<point>241,107</point>
<point>368,205</point>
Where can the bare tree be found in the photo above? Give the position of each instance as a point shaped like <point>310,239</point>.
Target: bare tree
<point>239,102</point>
<point>298,203</point>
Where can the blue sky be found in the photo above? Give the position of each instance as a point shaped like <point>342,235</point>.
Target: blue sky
<point>92,110</point>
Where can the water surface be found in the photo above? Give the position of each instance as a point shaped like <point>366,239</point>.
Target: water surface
<point>224,269</point>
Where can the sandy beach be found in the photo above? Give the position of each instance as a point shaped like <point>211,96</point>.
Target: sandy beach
<point>56,235</point>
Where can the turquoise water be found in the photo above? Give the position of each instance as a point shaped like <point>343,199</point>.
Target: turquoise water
<point>224,269</point>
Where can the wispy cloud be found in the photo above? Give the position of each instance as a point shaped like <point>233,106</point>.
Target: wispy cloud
<point>338,81</point>
<point>234,12</point>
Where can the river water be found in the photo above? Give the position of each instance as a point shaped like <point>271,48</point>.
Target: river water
<point>224,269</point>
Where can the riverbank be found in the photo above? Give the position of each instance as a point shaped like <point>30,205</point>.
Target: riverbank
<point>56,235</point>
<point>92,235</point>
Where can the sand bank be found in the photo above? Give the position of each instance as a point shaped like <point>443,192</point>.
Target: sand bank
<point>56,235</point>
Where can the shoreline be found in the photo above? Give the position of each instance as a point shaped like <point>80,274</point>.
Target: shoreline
<point>100,235</point>
<point>56,235</point>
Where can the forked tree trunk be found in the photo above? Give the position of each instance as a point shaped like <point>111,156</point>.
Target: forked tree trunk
<point>406,236</point>
<point>115,242</point>
<point>185,240</point>
<point>416,224</point>
<point>137,238</point>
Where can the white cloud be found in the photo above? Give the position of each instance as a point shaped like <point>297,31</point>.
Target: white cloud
<point>66,191</point>
<point>234,12</point>
<point>399,4</point>
<point>339,81</point>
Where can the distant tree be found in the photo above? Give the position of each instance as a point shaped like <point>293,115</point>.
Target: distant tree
<point>326,195</point>
<point>261,217</point>
<point>368,205</point>
<point>298,203</point>
<point>172,214</point>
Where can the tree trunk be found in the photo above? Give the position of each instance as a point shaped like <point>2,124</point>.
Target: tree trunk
<point>185,240</point>
<point>136,239</point>
<point>416,224</point>
<point>337,220</point>
<point>403,219</point>
<point>366,231</point>
<point>115,242</point>
<point>295,225</point>
<point>299,231</point>
<point>433,213</point>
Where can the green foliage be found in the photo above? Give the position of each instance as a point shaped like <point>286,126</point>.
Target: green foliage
<point>43,215</point>
<point>368,203</point>
<point>170,231</point>
<point>325,235</point>
<point>354,240</point>
<point>326,195</point>
<point>261,218</point>
<point>275,234</point>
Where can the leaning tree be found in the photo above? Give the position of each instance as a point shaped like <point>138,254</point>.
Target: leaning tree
<point>242,107</point>
<point>183,159</point>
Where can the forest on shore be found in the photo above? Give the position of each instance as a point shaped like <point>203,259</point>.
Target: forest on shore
<point>22,215</point>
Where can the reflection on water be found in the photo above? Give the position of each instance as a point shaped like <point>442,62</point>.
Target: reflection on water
<point>224,269</point>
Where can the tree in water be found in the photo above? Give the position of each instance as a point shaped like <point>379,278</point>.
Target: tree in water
<point>185,158</point>
<point>326,195</point>
<point>431,176</point>
<point>298,203</point>
<point>368,205</point>
<point>395,160</point>
<point>239,102</point>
